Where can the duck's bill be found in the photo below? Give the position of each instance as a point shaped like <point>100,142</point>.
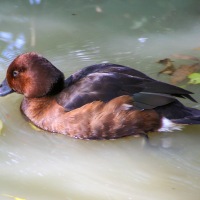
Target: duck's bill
<point>5,89</point>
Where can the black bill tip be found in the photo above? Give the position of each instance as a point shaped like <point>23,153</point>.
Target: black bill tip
<point>5,89</point>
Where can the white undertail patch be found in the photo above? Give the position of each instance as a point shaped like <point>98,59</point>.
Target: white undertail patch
<point>169,126</point>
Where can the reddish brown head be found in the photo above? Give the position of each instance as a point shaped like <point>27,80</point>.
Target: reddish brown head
<point>34,76</point>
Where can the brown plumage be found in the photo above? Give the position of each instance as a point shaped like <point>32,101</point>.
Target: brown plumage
<point>96,120</point>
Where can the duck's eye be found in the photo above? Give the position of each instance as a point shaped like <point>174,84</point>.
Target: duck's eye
<point>15,73</point>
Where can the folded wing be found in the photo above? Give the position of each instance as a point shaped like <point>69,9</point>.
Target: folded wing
<point>107,81</point>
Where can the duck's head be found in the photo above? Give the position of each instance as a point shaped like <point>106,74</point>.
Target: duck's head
<point>33,76</point>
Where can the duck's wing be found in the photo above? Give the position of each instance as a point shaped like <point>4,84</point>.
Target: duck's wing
<point>104,68</point>
<point>101,86</point>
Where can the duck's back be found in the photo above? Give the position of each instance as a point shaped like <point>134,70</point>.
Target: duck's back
<point>104,82</point>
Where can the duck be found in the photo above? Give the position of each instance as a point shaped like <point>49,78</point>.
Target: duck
<point>101,101</point>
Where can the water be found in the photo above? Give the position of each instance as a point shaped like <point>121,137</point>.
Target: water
<point>73,34</point>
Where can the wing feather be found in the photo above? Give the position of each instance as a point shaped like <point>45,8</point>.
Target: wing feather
<point>107,81</point>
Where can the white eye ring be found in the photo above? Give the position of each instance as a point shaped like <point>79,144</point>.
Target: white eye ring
<point>15,73</point>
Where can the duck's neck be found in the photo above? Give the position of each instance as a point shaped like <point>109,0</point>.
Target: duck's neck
<point>43,112</point>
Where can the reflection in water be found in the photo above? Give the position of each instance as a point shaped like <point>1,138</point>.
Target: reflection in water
<point>73,34</point>
<point>32,2</point>
<point>14,46</point>
<point>14,43</point>
<point>142,40</point>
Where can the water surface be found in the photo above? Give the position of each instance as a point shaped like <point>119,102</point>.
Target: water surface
<point>74,34</point>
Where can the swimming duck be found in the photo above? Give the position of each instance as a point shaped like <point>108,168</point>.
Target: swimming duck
<point>102,101</point>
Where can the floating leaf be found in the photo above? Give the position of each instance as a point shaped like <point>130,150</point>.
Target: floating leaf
<point>194,78</point>
<point>184,57</point>
<point>182,72</point>
<point>166,61</point>
<point>15,198</point>
<point>1,126</point>
<point>34,127</point>
<point>169,70</point>
<point>197,48</point>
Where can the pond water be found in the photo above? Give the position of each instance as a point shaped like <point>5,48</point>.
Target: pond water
<point>73,34</point>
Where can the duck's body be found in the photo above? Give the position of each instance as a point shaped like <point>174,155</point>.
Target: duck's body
<point>96,120</point>
<point>102,101</point>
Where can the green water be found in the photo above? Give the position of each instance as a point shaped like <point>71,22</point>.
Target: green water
<point>36,165</point>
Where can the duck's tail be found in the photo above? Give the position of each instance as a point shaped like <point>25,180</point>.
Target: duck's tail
<point>179,114</point>
<point>192,118</point>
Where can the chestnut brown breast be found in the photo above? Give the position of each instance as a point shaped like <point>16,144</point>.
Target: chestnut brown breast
<point>96,120</point>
